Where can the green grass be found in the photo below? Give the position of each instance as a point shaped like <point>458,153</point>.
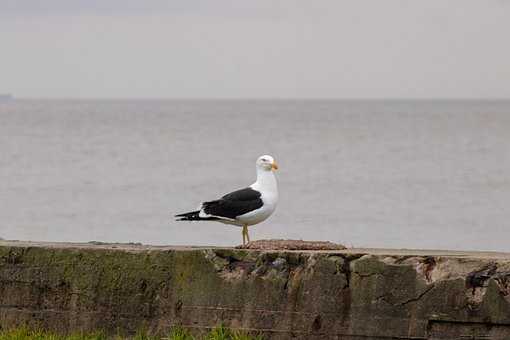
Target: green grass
<point>26,334</point>
<point>217,333</point>
<point>176,333</point>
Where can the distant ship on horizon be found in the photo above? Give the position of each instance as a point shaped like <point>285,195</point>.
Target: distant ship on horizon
<point>5,96</point>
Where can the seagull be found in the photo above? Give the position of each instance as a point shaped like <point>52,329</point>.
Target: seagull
<point>244,207</point>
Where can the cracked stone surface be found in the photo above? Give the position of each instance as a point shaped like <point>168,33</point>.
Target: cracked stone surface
<point>349,294</point>
<point>292,245</point>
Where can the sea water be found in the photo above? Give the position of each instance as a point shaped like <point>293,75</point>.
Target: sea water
<point>412,174</point>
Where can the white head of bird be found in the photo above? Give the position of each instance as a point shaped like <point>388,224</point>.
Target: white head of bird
<point>266,163</point>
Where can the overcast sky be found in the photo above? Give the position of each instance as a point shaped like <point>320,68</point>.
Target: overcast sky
<point>255,48</point>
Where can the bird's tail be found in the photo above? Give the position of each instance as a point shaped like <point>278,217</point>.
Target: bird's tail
<point>194,216</point>
<point>189,216</point>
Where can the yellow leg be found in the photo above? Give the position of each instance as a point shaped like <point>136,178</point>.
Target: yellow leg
<point>247,235</point>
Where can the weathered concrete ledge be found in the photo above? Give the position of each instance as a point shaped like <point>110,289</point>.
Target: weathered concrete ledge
<point>349,294</point>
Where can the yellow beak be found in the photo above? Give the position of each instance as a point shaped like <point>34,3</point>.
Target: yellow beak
<point>274,166</point>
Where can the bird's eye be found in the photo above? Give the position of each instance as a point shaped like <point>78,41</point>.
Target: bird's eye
<point>264,160</point>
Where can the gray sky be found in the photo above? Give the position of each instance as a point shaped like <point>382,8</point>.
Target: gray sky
<point>262,48</point>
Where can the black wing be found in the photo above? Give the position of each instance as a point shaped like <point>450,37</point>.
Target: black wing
<point>234,204</point>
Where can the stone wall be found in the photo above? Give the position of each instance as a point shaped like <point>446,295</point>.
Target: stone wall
<point>352,294</point>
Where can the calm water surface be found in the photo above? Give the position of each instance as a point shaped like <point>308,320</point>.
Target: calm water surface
<point>411,174</point>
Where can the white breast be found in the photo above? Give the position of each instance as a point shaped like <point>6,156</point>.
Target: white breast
<point>267,186</point>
